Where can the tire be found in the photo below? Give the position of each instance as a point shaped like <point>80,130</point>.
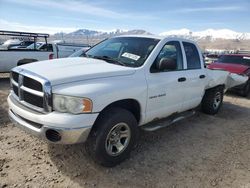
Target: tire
<point>104,145</point>
<point>212,100</point>
<point>246,90</point>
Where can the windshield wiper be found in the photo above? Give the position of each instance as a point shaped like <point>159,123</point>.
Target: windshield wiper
<point>109,59</point>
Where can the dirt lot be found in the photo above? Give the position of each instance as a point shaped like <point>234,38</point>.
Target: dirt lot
<point>202,151</point>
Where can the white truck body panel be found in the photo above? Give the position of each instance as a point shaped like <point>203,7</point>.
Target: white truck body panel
<point>9,58</point>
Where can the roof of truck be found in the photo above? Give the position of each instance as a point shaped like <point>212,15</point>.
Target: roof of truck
<point>155,37</point>
<point>143,36</point>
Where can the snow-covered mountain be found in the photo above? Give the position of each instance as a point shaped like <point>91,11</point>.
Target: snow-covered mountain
<point>211,34</point>
<point>102,34</point>
<point>83,32</point>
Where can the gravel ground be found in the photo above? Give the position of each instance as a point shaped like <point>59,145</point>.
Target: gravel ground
<point>202,151</point>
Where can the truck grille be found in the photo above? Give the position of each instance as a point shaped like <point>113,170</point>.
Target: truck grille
<point>32,84</point>
<point>31,90</point>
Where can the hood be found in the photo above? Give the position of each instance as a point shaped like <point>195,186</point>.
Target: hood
<point>233,68</point>
<point>65,70</point>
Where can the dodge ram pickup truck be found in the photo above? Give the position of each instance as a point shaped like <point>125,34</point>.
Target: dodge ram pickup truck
<point>120,85</point>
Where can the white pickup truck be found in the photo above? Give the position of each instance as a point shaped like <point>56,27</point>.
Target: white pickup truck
<point>122,84</point>
<point>13,57</point>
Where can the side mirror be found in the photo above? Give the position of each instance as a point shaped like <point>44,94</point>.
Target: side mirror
<point>167,64</point>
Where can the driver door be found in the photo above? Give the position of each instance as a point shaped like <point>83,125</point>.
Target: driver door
<point>166,88</point>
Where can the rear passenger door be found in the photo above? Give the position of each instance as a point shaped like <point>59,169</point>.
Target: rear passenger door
<point>195,76</point>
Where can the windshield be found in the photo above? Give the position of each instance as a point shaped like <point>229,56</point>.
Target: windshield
<point>243,60</point>
<point>126,51</point>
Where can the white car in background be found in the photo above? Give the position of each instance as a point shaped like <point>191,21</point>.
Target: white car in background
<point>15,44</point>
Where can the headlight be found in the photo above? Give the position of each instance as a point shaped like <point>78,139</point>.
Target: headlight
<point>74,105</point>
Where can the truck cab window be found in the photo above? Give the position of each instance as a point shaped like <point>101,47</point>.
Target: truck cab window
<point>47,47</point>
<point>192,55</point>
<point>171,50</point>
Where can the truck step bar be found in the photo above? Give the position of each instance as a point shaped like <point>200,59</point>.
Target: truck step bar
<point>158,124</point>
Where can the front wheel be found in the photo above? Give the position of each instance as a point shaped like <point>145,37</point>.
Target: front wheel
<point>113,137</point>
<point>212,100</point>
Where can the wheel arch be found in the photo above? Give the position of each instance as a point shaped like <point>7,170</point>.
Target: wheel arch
<point>25,61</point>
<point>220,85</point>
<point>132,105</point>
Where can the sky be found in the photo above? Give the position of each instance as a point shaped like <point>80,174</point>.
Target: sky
<point>155,16</point>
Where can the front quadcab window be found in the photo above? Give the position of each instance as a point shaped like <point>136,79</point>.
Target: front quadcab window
<point>171,50</point>
<point>47,47</point>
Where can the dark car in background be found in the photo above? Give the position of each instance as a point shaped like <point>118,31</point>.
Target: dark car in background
<point>235,63</point>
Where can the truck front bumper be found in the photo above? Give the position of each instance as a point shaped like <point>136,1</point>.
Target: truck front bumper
<point>55,127</point>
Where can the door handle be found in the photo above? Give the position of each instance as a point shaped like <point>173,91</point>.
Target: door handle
<point>202,76</point>
<point>182,79</point>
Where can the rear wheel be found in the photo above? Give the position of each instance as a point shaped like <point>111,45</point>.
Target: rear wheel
<point>212,100</point>
<point>113,137</point>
